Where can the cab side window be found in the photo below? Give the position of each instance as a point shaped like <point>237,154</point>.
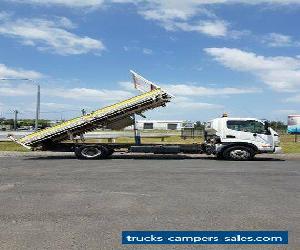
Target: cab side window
<point>246,126</point>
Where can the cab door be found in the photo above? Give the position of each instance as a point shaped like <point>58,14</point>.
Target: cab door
<point>263,136</point>
<point>251,131</point>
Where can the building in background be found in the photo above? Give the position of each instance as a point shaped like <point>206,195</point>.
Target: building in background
<point>5,127</point>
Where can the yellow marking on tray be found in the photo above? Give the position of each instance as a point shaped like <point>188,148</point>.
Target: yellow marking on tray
<point>87,117</point>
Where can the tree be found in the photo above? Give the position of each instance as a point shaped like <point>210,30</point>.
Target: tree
<point>278,126</point>
<point>8,122</point>
<point>199,125</point>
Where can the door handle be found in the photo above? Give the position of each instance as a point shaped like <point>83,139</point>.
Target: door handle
<point>254,134</point>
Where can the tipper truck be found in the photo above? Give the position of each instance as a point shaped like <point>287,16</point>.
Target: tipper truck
<point>226,138</point>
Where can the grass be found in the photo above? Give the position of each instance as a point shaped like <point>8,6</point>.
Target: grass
<point>289,145</point>
<point>11,146</point>
<point>287,142</point>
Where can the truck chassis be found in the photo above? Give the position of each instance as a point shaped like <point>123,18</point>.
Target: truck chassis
<point>92,151</point>
<point>105,150</point>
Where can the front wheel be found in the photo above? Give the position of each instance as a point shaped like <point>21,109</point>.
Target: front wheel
<point>91,152</point>
<point>220,156</point>
<point>239,153</point>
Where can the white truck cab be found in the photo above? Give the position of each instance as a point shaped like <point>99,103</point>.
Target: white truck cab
<point>241,138</point>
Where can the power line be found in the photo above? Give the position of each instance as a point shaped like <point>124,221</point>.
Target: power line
<point>15,79</point>
<point>38,98</point>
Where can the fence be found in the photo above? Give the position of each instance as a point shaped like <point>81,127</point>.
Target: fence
<point>191,133</point>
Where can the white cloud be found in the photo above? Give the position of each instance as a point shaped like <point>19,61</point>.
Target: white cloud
<point>191,90</point>
<point>181,106</point>
<point>50,36</point>
<point>213,28</point>
<point>187,96</point>
<point>20,88</point>
<point>64,22</point>
<point>17,90</point>
<point>279,2</point>
<point>172,14</point>
<point>127,85</point>
<point>295,99</point>
<point>147,51</point>
<point>168,10</point>
<point>67,3</point>
<point>285,111</point>
<point>54,105</point>
<point>281,73</point>
<point>135,48</point>
<point>1,109</point>
<point>196,105</point>
<point>102,96</point>
<point>6,72</point>
<point>87,94</point>
<point>4,15</point>
<point>81,94</point>
<point>8,88</point>
<point>187,6</point>
<point>280,40</point>
<point>176,15</point>
<point>181,91</point>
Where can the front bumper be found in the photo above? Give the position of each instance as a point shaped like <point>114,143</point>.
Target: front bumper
<point>278,150</point>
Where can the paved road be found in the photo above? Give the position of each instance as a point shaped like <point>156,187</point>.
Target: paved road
<point>58,202</point>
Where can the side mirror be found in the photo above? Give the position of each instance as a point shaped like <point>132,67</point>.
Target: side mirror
<point>267,128</point>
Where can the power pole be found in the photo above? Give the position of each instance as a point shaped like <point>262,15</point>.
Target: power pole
<point>16,119</point>
<point>38,96</point>
<point>137,136</point>
<point>38,105</point>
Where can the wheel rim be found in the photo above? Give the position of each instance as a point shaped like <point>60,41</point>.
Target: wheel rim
<point>240,154</point>
<point>91,152</point>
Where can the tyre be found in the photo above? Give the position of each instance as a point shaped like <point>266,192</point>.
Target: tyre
<point>239,153</point>
<point>91,152</point>
<point>110,151</point>
<point>220,156</point>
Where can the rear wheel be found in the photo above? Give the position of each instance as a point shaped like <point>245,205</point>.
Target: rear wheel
<point>91,152</point>
<point>239,153</point>
<point>110,151</point>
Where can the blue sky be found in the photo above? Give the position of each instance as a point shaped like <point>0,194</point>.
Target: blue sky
<point>214,56</point>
